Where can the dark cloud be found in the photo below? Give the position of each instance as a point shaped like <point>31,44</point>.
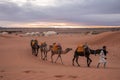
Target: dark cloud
<point>13,12</point>
<point>88,12</point>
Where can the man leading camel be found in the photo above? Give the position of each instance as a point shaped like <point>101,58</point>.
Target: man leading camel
<point>103,57</point>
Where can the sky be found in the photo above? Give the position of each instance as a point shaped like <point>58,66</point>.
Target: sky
<point>60,13</point>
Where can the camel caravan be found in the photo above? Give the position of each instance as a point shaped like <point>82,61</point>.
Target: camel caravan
<point>80,51</point>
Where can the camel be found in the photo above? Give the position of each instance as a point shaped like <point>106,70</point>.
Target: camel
<point>35,48</point>
<point>58,52</point>
<point>86,53</point>
<point>45,50</point>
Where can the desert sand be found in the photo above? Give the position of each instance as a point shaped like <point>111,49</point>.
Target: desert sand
<point>18,63</point>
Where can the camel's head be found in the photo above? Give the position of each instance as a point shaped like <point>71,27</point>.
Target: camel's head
<point>50,46</point>
<point>68,49</point>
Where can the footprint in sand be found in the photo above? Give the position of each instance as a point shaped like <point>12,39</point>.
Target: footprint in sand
<point>71,76</point>
<point>1,77</point>
<point>2,70</point>
<point>59,76</point>
<point>29,71</point>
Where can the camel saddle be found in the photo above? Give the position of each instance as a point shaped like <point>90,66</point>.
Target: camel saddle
<point>56,48</point>
<point>80,48</point>
<point>33,42</point>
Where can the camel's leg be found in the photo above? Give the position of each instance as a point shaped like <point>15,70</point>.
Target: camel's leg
<point>77,60</point>
<point>57,58</point>
<point>89,61</point>
<point>73,60</point>
<point>41,54</point>
<point>32,51</point>
<point>104,64</point>
<point>45,55</point>
<point>98,65</point>
<point>61,59</point>
<point>37,52</point>
<point>52,57</point>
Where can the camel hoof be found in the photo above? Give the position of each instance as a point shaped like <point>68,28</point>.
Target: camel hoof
<point>73,64</point>
<point>43,58</point>
<point>88,65</point>
<point>78,65</point>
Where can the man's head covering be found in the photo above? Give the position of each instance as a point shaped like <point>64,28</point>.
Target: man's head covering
<point>104,47</point>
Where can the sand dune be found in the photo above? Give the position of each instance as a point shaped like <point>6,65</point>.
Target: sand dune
<point>18,63</point>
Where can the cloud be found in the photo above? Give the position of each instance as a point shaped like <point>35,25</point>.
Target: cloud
<point>12,12</point>
<point>86,12</point>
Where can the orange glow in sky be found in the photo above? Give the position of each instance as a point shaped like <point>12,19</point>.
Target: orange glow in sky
<point>52,25</point>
